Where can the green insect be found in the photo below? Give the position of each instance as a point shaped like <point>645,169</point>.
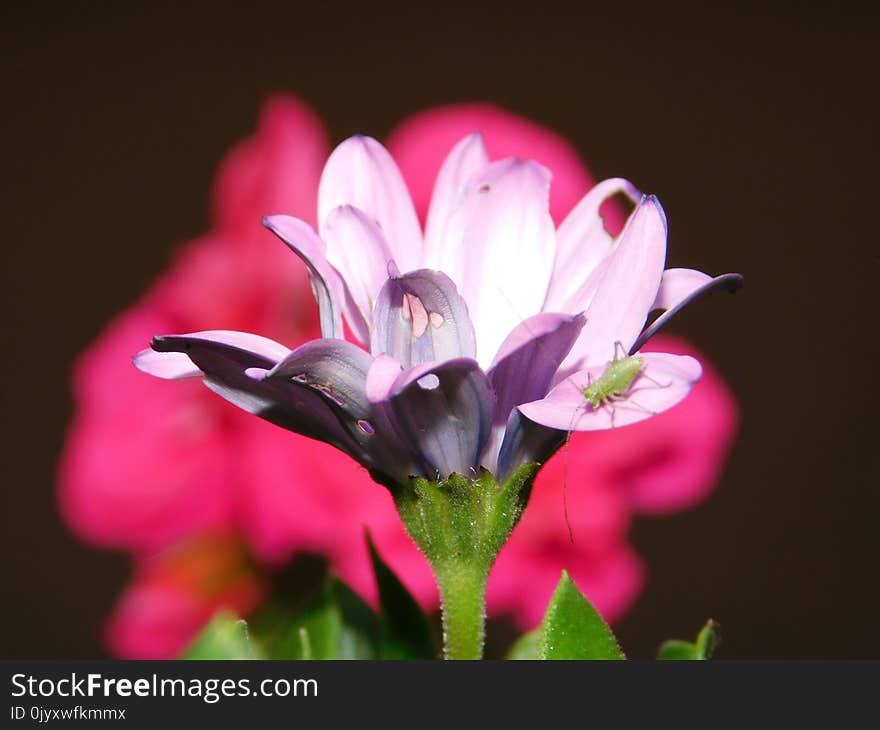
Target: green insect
<point>614,382</point>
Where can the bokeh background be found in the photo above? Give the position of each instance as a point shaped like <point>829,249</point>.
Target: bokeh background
<point>754,127</point>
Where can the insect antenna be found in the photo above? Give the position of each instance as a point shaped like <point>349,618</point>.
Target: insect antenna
<point>565,477</point>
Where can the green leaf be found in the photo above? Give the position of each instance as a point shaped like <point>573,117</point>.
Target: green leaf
<point>708,639</point>
<point>406,633</point>
<point>225,637</point>
<point>526,646</point>
<point>703,648</point>
<point>573,629</point>
<point>360,629</point>
<point>337,624</point>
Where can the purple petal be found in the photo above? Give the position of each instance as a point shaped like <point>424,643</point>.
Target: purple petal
<point>582,242</point>
<point>466,159</point>
<point>237,372</point>
<point>524,369</point>
<point>361,172</point>
<point>327,285</point>
<point>529,358</point>
<point>663,381</point>
<point>334,368</point>
<point>503,240</point>
<point>726,282</point>
<point>358,250</point>
<point>627,289</point>
<point>420,317</point>
<point>444,412</point>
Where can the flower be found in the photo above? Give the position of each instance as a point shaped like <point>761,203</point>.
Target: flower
<point>146,465</point>
<point>493,308</point>
<point>434,407</point>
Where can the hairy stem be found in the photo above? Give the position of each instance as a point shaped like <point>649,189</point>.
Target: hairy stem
<point>463,607</point>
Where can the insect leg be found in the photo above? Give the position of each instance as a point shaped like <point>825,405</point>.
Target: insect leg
<point>638,408</point>
<point>651,380</point>
<point>612,408</point>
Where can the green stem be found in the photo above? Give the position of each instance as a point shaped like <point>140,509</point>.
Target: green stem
<point>460,523</point>
<point>463,608</point>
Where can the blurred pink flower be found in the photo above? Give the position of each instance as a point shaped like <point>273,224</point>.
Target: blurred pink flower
<point>176,591</point>
<point>161,464</point>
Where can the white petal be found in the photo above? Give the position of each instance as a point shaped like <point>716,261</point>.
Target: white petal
<point>361,173</point>
<point>466,159</point>
<point>360,253</point>
<point>627,290</point>
<point>503,234</point>
<point>582,242</point>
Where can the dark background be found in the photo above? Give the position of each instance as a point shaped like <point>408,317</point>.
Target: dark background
<point>753,126</point>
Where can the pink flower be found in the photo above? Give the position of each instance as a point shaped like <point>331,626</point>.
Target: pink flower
<point>145,465</point>
<point>148,464</point>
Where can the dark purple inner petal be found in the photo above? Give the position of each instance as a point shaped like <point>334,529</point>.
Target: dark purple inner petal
<point>445,426</point>
<point>526,442</point>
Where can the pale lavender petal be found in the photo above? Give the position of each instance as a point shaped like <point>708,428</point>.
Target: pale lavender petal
<point>725,282</point>
<point>328,287</point>
<point>678,284</point>
<point>503,235</point>
<point>582,242</point>
<point>444,411</point>
<point>627,289</point>
<point>381,377</point>
<point>235,364</point>
<point>165,365</point>
<point>420,317</point>
<point>361,172</point>
<point>663,381</point>
<point>359,251</point>
<point>466,159</point>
